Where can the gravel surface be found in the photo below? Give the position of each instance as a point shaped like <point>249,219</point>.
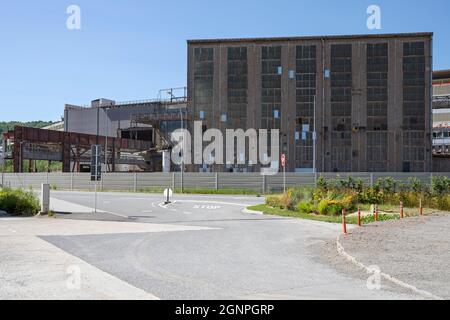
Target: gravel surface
<point>414,250</point>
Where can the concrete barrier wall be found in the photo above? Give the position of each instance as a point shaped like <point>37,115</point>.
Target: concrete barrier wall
<point>135,182</point>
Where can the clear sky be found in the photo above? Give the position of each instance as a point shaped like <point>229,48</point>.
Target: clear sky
<point>129,49</point>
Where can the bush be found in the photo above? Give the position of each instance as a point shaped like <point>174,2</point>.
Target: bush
<point>19,202</point>
<point>330,207</point>
<point>306,207</point>
<point>416,185</point>
<point>440,186</point>
<point>322,183</point>
<point>330,197</point>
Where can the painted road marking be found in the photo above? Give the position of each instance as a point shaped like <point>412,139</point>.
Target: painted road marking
<point>215,202</point>
<point>207,207</point>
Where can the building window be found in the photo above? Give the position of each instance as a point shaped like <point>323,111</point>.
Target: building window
<point>341,107</point>
<point>204,84</point>
<point>237,88</point>
<point>306,71</point>
<point>270,87</point>
<point>414,106</point>
<point>377,107</point>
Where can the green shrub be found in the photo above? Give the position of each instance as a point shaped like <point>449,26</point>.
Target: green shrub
<point>416,185</point>
<point>335,209</point>
<point>373,195</point>
<point>322,207</point>
<point>330,207</point>
<point>322,183</point>
<point>19,202</point>
<point>306,207</point>
<point>330,197</point>
<point>440,185</point>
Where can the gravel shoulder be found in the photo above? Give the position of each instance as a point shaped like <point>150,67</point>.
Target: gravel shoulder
<point>413,250</point>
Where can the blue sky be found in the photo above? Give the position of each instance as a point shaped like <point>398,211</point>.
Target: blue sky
<point>129,49</point>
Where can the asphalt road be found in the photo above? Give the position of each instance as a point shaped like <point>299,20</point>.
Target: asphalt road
<point>240,256</point>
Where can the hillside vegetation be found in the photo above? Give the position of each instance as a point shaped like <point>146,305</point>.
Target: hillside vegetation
<point>6,126</point>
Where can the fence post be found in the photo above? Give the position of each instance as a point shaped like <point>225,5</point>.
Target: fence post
<point>217,181</point>
<point>182,180</point>
<point>264,184</point>
<point>135,182</point>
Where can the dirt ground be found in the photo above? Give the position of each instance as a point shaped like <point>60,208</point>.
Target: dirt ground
<point>414,250</point>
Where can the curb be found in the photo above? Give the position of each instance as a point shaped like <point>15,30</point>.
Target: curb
<point>341,251</point>
<point>252,212</point>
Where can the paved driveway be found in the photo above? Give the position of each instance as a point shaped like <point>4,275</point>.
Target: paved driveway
<point>239,255</point>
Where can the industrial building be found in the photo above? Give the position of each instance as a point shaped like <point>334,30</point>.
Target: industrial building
<point>341,103</point>
<point>135,135</point>
<point>441,121</point>
<point>366,99</point>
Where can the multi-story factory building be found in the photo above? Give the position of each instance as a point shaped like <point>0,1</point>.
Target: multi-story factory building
<point>341,103</point>
<point>441,120</point>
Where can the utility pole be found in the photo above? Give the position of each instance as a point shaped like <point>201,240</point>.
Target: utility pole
<point>314,139</point>
<point>184,146</point>
<point>2,162</point>
<point>106,140</point>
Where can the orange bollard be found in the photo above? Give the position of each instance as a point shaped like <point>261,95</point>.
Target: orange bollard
<point>359,216</point>
<point>402,214</point>
<point>344,222</point>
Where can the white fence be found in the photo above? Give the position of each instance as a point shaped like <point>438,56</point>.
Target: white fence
<point>135,182</point>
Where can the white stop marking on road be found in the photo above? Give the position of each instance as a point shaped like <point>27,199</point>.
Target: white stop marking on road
<point>206,207</point>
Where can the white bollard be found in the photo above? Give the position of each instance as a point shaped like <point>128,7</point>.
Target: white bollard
<point>45,198</point>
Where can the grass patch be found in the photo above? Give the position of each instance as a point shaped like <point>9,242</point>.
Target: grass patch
<point>219,192</point>
<point>331,219</point>
<point>190,191</point>
<point>19,202</point>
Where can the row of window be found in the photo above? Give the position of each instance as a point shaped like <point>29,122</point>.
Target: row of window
<point>342,91</point>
